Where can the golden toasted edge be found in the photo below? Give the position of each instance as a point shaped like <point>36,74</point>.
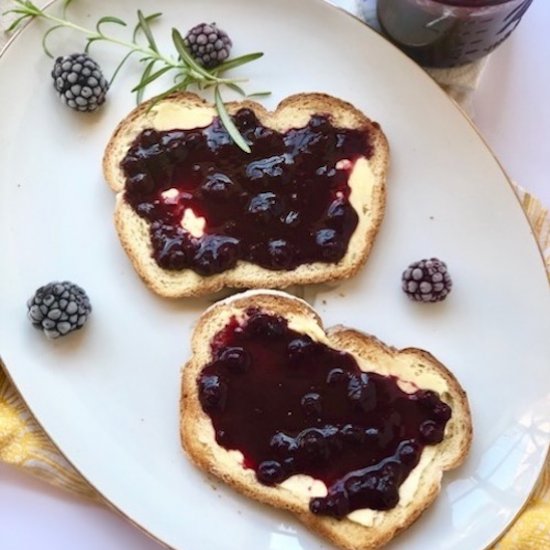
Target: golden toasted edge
<point>344,533</point>
<point>155,277</point>
<point>348,337</point>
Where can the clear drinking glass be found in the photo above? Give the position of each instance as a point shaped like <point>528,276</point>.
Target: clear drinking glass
<point>447,33</point>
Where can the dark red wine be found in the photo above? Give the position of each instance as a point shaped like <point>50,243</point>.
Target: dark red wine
<point>447,33</point>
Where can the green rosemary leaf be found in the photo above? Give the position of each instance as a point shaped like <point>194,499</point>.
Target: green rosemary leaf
<point>175,88</point>
<point>16,23</point>
<point>236,88</point>
<point>186,80</point>
<point>160,97</point>
<point>119,66</point>
<point>109,19</point>
<point>148,70</point>
<point>148,19</point>
<point>45,39</point>
<point>28,9</point>
<point>228,122</point>
<point>18,11</point>
<point>186,56</point>
<point>188,70</point>
<point>146,29</point>
<point>150,78</point>
<point>259,94</point>
<point>66,5</point>
<point>90,41</point>
<point>237,61</point>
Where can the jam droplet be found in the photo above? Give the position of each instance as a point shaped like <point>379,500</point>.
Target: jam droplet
<point>431,432</point>
<point>282,443</point>
<point>361,393</point>
<point>300,350</point>
<point>291,405</point>
<point>284,204</point>
<point>235,359</point>
<point>261,325</point>
<point>312,404</point>
<point>212,393</point>
<point>215,255</point>
<point>270,472</point>
<point>336,376</point>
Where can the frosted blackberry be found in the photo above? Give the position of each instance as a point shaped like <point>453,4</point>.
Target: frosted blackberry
<point>427,281</point>
<point>79,82</point>
<point>209,45</point>
<point>58,308</point>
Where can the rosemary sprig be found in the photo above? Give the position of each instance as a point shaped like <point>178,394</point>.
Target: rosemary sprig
<point>185,70</point>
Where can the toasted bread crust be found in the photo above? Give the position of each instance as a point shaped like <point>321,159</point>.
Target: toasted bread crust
<point>294,111</point>
<point>197,434</point>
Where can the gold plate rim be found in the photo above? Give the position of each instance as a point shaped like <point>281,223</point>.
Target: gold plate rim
<point>464,114</point>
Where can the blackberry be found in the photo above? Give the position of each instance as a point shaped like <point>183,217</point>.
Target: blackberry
<point>208,44</point>
<point>427,281</point>
<point>79,82</point>
<point>59,308</point>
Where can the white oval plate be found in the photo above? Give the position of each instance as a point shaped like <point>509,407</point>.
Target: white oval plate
<point>108,395</point>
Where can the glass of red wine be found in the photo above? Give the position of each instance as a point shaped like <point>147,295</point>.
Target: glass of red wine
<point>448,33</point>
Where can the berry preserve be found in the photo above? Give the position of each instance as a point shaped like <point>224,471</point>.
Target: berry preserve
<point>291,405</point>
<point>447,33</point>
<point>209,204</point>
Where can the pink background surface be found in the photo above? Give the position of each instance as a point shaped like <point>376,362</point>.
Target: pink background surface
<point>512,111</point>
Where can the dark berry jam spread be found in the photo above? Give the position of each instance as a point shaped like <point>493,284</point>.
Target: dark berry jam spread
<point>284,204</point>
<point>291,405</point>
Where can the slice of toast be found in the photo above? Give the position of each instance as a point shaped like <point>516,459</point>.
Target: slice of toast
<point>370,528</point>
<point>188,111</point>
